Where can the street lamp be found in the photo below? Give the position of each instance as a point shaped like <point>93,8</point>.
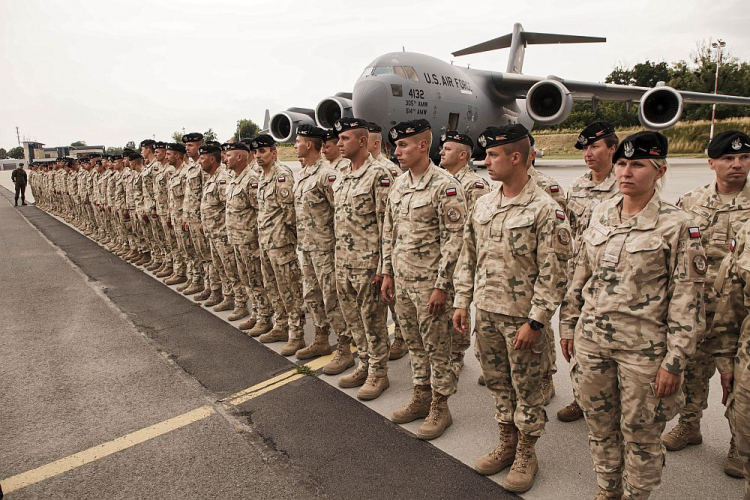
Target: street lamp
<point>718,45</point>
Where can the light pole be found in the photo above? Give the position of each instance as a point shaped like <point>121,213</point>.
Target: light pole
<point>718,45</point>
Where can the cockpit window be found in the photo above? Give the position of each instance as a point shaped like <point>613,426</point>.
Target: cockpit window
<point>382,70</point>
<point>399,70</point>
<point>411,74</point>
<point>367,71</point>
<point>406,72</point>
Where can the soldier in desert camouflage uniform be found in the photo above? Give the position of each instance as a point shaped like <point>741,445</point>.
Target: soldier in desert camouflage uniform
<point>331,153</point>
<point>173,256</point>
<point>631,319</point>
<point>156,233</point>
<point>182,252</point>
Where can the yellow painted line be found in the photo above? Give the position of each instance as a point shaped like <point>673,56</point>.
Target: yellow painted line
<point>92,454</point>
<point>261,385</point>
<point>247,397</point>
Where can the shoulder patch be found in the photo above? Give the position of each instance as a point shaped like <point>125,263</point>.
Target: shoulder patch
<point>733,244</point>
<point>694,232</point>
<point>560,214</point>
<point>254,185</point>
<point>385,182</point>
<point>222,181</point>
<point>554,188</point>
<point>451,192</point>
<point>281,178</point>
<point>331,177</point>
<point>479,185</point>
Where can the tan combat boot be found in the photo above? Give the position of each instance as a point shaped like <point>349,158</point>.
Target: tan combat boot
<point>226,304</point>
<point>501,455</point>
<point>261,327</point>
<point>165,273</point>
<point>154,266</point>
<point>278,334</point>
<point>398,349</point>
<point>417,407</point>
<point>609,494</point>
<point>548,389</point>
<point>204,295</point>
<point>248,324</point>
<point>193,289</point>
<point>342,360</point>
<point>144,260</point>
<point>215,297</point>
<point>292,346</point>
<point>319,347</point>
<point>133,257</point>
<point>438,419</point>
<point>373,387</point>
<point>354,379</point>
<point>525,466</point>
<point>240,311</point>
<point>184,286</point>
<point>176,279</point>
<point>570,413</point>
<point>681,435</point>
<point>733,464</point>
<point>481,380</point>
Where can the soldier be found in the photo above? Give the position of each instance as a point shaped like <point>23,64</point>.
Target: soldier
<point>277,232</point>
<point>598,142</point>
<point>155,231</point>
<point>360,193</point>
<point>242,233</point>
<point>512,266</point>
<point>719,210</point>
<point>331,153</point>
<point>631,319</point>
<point>173,257</point>
<point>19,179</point>
<point>313,202</point>
<point>422,233</point>
<point>140,228</point>
<point>181,253</point>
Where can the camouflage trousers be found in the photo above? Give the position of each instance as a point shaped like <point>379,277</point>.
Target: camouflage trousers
<point>184,248</point>
<point>222,255</point>
<point>365,313</point>
<point>248,266</point>
<point>201,255</point>
<point>615,389</point>
<point>319,280</point>
<point>283,282</point>
<point>738,412</point>
<point>698,372</point>
<point>143,233</point>
<point>397,333</point>
<point>514,377</point>
<point>160,238</point>
<point>427,336</point>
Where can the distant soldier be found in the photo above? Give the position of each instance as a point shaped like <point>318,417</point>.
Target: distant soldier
<point>422,238</point>
<point>331,153</point>
<point>175,156</point>
<point>173,257</point>
<point>155,231</point>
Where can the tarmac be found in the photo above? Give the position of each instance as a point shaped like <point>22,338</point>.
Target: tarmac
<point>130,390</point>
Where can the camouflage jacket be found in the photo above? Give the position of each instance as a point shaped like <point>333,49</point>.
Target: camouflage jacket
<point>191,203</point>
<point>423,228</point>
<point>549,186</point>
<point>584,195</point>
<point>277,224</point>
<point>176,193</point>
<point>148,175</point>
<point>638,284</point>
<point>514,257</point>
<point>242,208</point>
<point>161,189</point>
<point>394,169</point>
<point>339,164</point>
<point>213,204</point>
<point>136,184</point>
<point>128,176</point>
<point>73,183</point>
<point>474,186</point>
<point>103,187</point>
<point>313,202</point>
<point>119,191</point>
<point>61,183</point>
<point>360,202</point>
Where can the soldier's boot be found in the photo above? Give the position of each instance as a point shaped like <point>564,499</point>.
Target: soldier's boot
<point>204,295</point>
<point>240,311</point>
<point>278,334</point>
<point>481,381</point>
<point>193,289</point>
<point>502,455</point>
<point>144,260</point>
<point>248,324</point>
<point>176,279</point>
<point>214,297</point>
<point>319,347</point>
<point>292,346</point>
<point>525,466</point>
<point>398,349</point>
<point>164,273</point>
<point>261,327</point>
<point>437,420</point>
<point>342,360</point>
<point>570,413</point>
<point>733,464</point>
<point>548,389</point>
<point>225,305</point>
<point>122,252</point>
<point>681,435</point>
<point>417,407</point>
<point>154,266</point>
<point>134,256</point>
<point>609,494</point>
<point>373,387</point>
<point>355,379</point>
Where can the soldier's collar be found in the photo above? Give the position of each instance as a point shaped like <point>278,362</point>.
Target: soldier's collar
<point>462,172</point>
<point>606,184</point>
<point>647,219</point>
<point>361,170</point>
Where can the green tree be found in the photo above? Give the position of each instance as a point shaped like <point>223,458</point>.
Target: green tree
<point>78,144</point>
<point>3,154</point>
<point>16,153</point>
<point>209,135</point>
<point>177,136</point>
<point>246,129</point>
<point>113,151</point>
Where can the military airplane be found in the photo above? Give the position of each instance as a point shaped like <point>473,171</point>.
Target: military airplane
<point>402,86</point>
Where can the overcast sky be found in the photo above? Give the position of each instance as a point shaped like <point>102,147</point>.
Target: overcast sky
<point>107,72</point>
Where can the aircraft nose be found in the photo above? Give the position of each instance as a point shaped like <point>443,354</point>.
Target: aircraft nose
<point>370,101</point>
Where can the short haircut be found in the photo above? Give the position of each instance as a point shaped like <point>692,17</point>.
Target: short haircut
<point>522,147</point>
<point>611,140</point>
<point>216,155</point>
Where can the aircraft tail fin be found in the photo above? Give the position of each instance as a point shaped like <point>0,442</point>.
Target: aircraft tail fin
<point>518,40</point>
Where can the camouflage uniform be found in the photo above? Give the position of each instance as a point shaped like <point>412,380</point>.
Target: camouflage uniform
<point>339,164</point>
<point>313,200</point>
<point>583,197</point>
<point>155,230</point>
<point>140,222</point>
<point>360,203</point>
<point>191,214</point>
<point>176,196</point>
<point>635,305</point>
<point>242,232</point>
<point>422,237</point>
<point>162,178</point>
<point>277,232</point>
<point>512,266</point>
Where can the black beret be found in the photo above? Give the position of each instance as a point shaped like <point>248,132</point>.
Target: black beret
<point>247,142</point>
<point>214,143</point>
<point>306,130</point>
<point>374,128</point>
<point>95,155</point>
<point>650,145</point>
<point>112,158</point>
<point>594,132</point>
<point>263,141</point>
<point>331,135</point>
<point>209,149</point>
<point>128,151</point>
<point>237,146</point>
<point>192,137</point>
<point>135,156</point>
<point>147,143</point>
<point>453,136</point>
<point>20,164</point>
<point>160,145</point>
<point>347,123</point>
<point>176,146</point>
<point>727,143</point>
<point>407,129</point>
<point>497,136</point>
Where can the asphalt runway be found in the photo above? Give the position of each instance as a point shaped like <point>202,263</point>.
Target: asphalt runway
<point>94,349</point>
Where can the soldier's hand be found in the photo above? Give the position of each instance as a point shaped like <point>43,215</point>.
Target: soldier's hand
<point>727,381</point>
<point>526,337</point>
<point>567,348</point>
<point>666,383</point>
<point>387,290</point>
<point>460,318</point>
<point>436,305</point>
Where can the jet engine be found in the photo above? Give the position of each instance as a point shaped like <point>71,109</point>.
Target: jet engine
<point>283,125</point>
<point>660,108</point>
<point>549,102</point>
<point>331,109</point>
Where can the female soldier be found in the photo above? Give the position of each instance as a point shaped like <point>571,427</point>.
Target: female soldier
<point>634,311</point>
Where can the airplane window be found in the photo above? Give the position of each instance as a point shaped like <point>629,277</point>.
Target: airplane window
<point>411,74</point>
<point>382,70</point>
<point>367,71</point>
<point>399,70</point>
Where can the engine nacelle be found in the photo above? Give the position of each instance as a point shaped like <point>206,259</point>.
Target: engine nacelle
<point>549,102</point>
<point>331,109</point>
<point>283,126</point>
<point>660,108</point>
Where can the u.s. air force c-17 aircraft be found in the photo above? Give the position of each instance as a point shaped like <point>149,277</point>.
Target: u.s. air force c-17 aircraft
<point>404,86</point>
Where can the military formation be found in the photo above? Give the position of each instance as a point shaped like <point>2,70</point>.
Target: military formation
<point>652,296</point>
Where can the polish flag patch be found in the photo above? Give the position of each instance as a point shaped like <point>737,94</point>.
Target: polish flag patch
<point>331,178</point>
<point>554,188</point>
<point>281,179</point>
<point>385,182</point>
<point>560,214</point>
<point>451,192</point>
<point>694,232</point>
<point>222,181</point>
<point>732,245</point>
<point>479,185</point>
<point>254,185</point>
